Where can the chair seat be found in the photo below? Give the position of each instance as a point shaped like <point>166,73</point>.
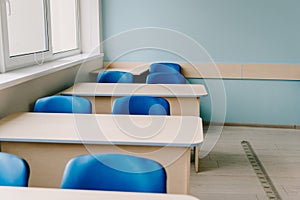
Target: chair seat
<point>114,77</point>
<point>114,172</point>
<point>165,78</point>
<point>14,171</point>
<point>63,104</point>
<point>165,67</point>
<point>141,105</point>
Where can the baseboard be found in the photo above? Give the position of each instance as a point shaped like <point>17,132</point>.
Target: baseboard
<point>252,125</point>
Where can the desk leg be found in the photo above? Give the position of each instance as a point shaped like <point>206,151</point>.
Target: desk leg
<point>196,151</point>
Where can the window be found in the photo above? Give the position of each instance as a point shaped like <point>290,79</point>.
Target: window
<point>64,25</point>
<point>26,28</point>
<point>35,31</point>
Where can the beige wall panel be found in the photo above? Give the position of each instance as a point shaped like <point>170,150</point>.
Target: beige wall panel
<point>202,70</point>
<point>234,71</point>
<point>271,71</point>
<point>189,70</point>
<point>133,67</point>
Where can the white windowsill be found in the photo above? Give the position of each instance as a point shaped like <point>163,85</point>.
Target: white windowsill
<point>19,76</point>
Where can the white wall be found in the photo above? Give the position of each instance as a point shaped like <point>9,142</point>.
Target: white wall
<point>21,98</point>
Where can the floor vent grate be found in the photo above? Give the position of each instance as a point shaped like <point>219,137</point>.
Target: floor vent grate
<point>261,173</point>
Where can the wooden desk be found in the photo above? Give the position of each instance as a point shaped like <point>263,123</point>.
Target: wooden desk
<point>19,193</point>
<point>139,71</point>
<point>48,141</point>
<point>135,70</point>
<point>183,98</point>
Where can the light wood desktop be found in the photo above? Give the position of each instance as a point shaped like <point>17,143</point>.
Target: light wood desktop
<point>24,193</point>
<point>136,70</point>
<point>184,99</point>
<point>48,141</point>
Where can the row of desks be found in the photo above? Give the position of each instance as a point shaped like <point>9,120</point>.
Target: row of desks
<point>184,99</point>
<point>49,141</point>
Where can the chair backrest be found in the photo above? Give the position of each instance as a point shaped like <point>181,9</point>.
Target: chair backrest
<point>114,172</point>
<point>164,67</point>
<point>14,171</point>
<point>141,105</point>
<point>114,77</point>
<point>63,104</point>
<point>165,78</point>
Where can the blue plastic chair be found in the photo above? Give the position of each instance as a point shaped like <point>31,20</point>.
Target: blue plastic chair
<point>164,67</point>
<point>114,172</point>
<point>114,77</point>
<point>165,78</point>
<point>14,171</point>
<point>141,105</point>
<point>63,104</point>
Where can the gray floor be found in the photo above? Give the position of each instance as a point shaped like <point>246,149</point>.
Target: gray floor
<point>227,174</point>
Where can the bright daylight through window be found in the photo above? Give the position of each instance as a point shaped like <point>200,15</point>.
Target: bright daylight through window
<point>34,31</point>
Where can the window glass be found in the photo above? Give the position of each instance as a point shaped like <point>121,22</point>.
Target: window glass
<point>27,32</point>
<point>64,25</point>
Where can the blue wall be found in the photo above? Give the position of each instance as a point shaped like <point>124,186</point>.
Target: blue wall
<point>253,101</point>
<point>232,31</point>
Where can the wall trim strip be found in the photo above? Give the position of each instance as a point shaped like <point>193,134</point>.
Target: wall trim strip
<point>283,126</point>
<point>223,70</point>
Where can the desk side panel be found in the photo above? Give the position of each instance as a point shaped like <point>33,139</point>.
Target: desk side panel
<point>47,161</point>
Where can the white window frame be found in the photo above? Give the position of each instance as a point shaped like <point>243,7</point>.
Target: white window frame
<point>8,63</point>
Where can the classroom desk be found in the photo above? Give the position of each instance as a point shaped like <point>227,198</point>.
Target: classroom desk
<point>24,193</point>
<point>184,99</point>
<point>135,70</point>
<point>138,70</point>
<point>48,141</point>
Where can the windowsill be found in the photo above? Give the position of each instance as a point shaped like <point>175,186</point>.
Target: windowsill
<point>19,76</point>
